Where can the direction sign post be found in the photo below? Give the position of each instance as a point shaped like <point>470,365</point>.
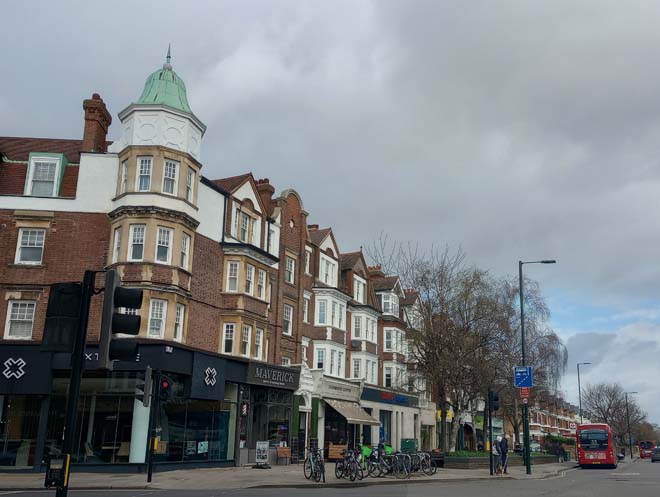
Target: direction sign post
<point>522,376</point>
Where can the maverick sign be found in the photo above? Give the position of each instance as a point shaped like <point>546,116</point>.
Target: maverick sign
<point>273,376</point>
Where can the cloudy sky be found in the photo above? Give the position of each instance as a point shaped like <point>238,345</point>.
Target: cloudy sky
<point>518,130</point>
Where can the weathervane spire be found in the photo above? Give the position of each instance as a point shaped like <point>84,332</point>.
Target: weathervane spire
<point>168,58</point>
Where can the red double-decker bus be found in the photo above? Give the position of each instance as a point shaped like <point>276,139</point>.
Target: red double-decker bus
<point>646,449</point>
<point>595,446</point>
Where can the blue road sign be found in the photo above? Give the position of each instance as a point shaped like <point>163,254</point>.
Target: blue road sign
<point>522,376</point>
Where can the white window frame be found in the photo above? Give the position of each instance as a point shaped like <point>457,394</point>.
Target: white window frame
<point>320,358</point>
<point>357,366</point>
<point>175,180</point>
<point>116,244</point>
<point>287,330</point>
<point>388,332</point>
<point>285,361</point>
<point>56,178</point>
<point>170,240</point>
<point>290,272</point>
<point>190,185</point>
<point>41,233</point>
<point>228,327</point>
<point>247,333</point>
<point>340,318</point>
<point>8,320</point>
<point>323,311</point>
<point>230,265</point>
<point>261,285</point>
<point>249,279</point>
<point>185,250</point>
<point>360,289</point>
<point>306,301</point>
<point>179,317</point>
<point>163,318</point>
<point>132,229</point>
<point>385,374</point>
<point>258,343</point>
<point>308,261</point>
<point>340,364</point>
<point>123,180</point>
<point>138,172</point>
<point>357,327</point>
<point>333,355</point>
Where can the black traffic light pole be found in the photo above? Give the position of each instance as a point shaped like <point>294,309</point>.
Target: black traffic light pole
<point>152,414</point>
<point>490,429</point>
<point>77,358</point>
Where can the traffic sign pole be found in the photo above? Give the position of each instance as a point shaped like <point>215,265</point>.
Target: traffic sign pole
<point>526,455</point>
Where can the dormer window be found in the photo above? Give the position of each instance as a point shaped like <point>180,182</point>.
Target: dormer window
<point>44,175</point>
<point>170,177</point>
<point>359,289</point>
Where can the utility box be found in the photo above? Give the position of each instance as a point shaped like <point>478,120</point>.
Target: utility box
<point>408,445</point>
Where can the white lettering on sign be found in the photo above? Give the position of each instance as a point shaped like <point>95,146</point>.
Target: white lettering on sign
<point>273,375</point>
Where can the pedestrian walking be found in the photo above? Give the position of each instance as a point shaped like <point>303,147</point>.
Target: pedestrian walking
<point>495,450</point>
<point>504,451</point>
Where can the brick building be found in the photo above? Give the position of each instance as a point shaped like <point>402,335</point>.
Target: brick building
<point>238,290</point>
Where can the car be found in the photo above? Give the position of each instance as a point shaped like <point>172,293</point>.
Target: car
<point>655,456</point>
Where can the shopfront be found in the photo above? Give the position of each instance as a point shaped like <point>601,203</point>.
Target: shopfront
<point>398,413</point>
<point>198,424</point>
<point>341,421</point>
<point>267,408</point>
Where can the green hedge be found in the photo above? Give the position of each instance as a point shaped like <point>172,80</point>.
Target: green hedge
<point>467,453</point>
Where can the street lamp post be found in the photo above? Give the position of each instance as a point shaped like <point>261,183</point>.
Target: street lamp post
<point>628,421</point>
<point>526,454</point>
<point>580,388</point>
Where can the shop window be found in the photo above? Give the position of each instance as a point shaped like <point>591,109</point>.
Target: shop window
<point>157,317</point>
<point>30,247</point>
<point>228,338</point>
<point>20,319</point>
<point>271,415</point>
<point>19,421</point>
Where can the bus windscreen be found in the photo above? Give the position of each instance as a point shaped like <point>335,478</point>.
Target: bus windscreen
<point>594,440</point>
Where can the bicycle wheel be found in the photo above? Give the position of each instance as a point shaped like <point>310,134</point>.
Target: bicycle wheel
<point>340,467</point>
<point>351,469</point>
<point>360,471</point>
<point>372,468</point>
<point>425,466</point>
<point>307,468</point>
<point>398,469</point>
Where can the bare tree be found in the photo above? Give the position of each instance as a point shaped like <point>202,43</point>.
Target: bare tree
<point>606,403</point>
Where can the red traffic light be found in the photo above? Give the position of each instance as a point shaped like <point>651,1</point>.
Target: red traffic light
<point>165,384</point>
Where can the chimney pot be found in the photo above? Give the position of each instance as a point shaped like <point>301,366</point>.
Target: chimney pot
<point>313,226</point>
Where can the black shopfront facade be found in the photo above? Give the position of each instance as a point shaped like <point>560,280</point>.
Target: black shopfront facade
<point>202,424</point>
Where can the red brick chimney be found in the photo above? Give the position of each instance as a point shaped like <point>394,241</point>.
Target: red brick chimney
<point>313,226</point>
<point>266,192</point>
<point>97,122</point>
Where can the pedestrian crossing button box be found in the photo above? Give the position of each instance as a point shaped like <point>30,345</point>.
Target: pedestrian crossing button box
<point>56,471</point>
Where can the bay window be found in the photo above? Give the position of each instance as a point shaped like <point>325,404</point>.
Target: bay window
<point>136,249</point>
<point>228,338</point>
<point>157,318</point>
<point>164,244</point>
<point>144,174</point>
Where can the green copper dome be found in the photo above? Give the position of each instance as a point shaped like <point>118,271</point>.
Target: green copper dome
<point>165,87</point>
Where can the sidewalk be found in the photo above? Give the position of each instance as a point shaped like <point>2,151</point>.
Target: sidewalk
<point>246,477</point>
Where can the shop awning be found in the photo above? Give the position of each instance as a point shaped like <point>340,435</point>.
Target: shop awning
<point>353,412</point>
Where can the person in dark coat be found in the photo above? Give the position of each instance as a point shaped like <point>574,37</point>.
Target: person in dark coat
<point>504,453</point>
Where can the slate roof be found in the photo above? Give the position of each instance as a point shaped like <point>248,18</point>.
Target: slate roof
<point>410,298</point>
<point>317,236</point>
<point>386,283</point>
<point>348,261</point>
<point>18,149</point>
<point>232,182</point>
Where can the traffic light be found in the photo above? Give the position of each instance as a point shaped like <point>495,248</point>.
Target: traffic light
<point>165,392</point>
<point>143,387</point>
<point>112,348</point>
<point>493,400</point>
<point>62,317</point>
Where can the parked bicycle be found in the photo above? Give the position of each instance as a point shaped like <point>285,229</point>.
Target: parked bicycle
<point>350,466</point>
<point>314,467</point>
<point>388,462</point>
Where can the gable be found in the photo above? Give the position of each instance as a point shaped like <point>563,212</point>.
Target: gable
<point>329,243</point>
<point>248,191</point>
